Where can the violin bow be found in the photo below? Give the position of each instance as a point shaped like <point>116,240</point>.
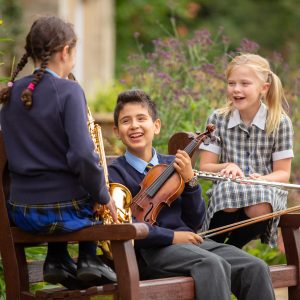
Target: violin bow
<point>233,226</point>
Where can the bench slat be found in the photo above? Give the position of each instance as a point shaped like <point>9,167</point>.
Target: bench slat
<point>283,276</point>
<point>172,288</point>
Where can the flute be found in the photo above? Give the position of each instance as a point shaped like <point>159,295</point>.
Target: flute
<point>246,180</point>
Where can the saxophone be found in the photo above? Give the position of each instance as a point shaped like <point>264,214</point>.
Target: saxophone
<point>119,193</point>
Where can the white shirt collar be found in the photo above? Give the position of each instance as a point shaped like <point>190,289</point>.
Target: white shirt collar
<point>259,119</point>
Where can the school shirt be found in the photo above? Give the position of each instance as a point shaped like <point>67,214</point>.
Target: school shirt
<point>253,151</point>
<point>50,153</point>
<point>186,213</point>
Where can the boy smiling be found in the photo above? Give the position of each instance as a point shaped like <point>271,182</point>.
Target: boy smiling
<point>173,248</point>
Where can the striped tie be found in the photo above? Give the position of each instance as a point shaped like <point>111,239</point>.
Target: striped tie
<point>148,167</point>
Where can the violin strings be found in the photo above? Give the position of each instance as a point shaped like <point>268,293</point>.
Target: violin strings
<point>169,170</point>
<point>159,181</point>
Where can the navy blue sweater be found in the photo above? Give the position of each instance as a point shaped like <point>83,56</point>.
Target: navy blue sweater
<point>50,152</point>
<point>186,213</point>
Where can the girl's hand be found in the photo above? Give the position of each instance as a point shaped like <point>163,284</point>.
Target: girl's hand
<point>111,205</point>
<point>232,171</point>
<point>183,165</point>
<point>255,176</point>
<point>186,237</point>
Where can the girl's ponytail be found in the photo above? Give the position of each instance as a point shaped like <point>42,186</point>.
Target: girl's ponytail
<point>5,92</point>
<point>276,101</point>
<point>26,96</point>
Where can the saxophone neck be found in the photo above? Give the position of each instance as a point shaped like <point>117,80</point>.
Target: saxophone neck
<point>96,135</point>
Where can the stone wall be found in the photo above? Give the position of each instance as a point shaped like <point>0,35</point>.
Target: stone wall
<point>94,24</point>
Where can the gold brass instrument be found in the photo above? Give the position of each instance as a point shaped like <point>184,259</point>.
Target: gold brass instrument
<point>246,180</point>
<point>119,193</point>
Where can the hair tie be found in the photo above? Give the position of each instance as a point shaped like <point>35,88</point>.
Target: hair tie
<point>10,84</point>
<point>31,86</point>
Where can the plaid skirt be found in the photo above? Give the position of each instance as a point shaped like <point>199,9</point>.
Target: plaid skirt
<point>60,217</point>
<point>227,194</point>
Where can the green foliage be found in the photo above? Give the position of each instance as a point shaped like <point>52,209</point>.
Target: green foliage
<point>2,283</point>
<point>2,40</point>
<point>184,78</point>
<point>106,98</point>
<point>272,256</point>
<point>10,31</point>
<point>279,20</point>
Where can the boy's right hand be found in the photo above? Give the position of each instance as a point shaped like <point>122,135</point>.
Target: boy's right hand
<point>186,237</point>
<point>183,165</point>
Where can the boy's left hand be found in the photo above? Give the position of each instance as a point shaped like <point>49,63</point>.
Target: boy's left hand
<point>183,165</point>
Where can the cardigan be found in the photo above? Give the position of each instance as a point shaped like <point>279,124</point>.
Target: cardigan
<point>50,153</point>
<point>186,213</point>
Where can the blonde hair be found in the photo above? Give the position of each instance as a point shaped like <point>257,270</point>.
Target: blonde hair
<point>275,97</point>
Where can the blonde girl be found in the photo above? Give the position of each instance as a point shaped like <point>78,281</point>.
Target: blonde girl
<point>256,140</point>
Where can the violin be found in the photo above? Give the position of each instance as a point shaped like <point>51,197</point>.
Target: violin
<point>163,184</point>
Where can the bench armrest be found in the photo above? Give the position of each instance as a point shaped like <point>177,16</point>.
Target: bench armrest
<point>116,232</point>
<point>291,220</point>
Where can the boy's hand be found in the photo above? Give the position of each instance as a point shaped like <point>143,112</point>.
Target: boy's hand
<point>186,237</point>
<point>183,165</point>
<point>232,171</point>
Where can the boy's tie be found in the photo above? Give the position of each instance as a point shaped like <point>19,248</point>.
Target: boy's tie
<point>148,167</point>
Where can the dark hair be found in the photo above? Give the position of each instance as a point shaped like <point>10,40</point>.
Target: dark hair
<point>47,36</point>
<point>134,96</point>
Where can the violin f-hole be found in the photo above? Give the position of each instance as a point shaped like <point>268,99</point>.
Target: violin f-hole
<point>149,211</point>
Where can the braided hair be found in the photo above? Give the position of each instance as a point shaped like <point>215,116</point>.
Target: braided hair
<point>47,36</point>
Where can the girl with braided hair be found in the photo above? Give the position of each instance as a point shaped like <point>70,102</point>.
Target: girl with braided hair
<point>54,171</point>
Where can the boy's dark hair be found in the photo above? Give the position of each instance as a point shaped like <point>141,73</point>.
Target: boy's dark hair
<point>134,96</point>
<point>47,36</point>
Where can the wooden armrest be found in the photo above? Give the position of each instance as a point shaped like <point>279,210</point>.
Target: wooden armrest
<point>116,232</point>
<point>291,220</point>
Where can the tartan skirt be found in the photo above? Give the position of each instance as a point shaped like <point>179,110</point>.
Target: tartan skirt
<point>227,194</point>
<point>59,217</point>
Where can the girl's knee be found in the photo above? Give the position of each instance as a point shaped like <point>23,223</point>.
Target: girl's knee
<point>258,210</point>
<point>230,210</point>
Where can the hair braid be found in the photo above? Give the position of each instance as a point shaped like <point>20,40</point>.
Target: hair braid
<point>27,93</point>
<point>5,92</point>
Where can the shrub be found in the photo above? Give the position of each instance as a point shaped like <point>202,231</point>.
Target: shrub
<point>183,76</point>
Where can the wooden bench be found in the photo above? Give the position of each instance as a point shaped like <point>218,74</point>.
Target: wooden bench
<point>19,273</point>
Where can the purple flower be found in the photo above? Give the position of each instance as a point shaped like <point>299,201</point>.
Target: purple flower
<point>136,35</point>
<point>248,46</point>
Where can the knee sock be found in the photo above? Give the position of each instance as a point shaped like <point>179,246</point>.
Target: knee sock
<point>57,250</point>
<point>241,236</point>
<point>87,248</point>
<point>222,218</point>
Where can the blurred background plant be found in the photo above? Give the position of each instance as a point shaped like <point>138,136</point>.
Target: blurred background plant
<point>177,52</point>
<point>10,31</point>
<point>184,76</point>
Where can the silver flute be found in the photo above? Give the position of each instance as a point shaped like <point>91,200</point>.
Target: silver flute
<point>246,180</point>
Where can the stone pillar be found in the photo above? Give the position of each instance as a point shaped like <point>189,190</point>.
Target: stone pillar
<point>94,25</point>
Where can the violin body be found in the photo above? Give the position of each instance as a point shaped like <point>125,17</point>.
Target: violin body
<point>145,206</point>
<point>162,184</point>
